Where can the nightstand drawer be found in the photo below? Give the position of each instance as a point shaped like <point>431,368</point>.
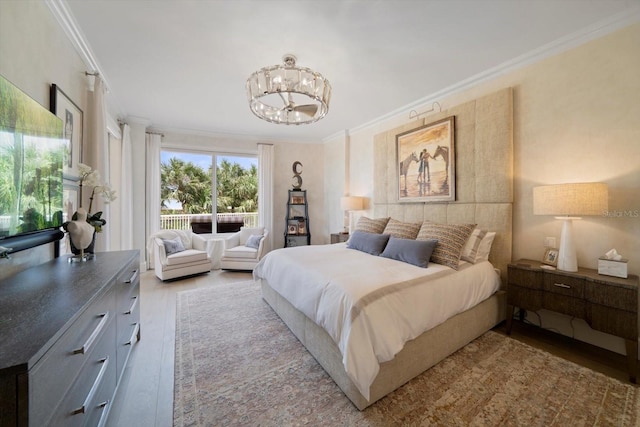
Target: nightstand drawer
<point>613,321</point>
<point>564,285</point>
<point>525,298</point>
<point>564,304</point>
<point>612,296</point>
<point>525,278</point>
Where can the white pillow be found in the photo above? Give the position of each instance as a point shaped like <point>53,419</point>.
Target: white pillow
<point>485,247</point>
<point>478,246</point>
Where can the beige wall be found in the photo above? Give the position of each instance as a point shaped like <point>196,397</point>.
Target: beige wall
<point>34,53</point>
<point>313,173</point>
<point>575,120</point>
<point>335,183</point>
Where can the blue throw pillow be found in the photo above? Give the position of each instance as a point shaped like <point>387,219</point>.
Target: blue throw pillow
<point>172,246</point>
<point>368,242</point>
<point>416,252</point>
<point>253,241</point>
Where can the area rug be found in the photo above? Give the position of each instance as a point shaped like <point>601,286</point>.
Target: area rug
<point>237,364</point>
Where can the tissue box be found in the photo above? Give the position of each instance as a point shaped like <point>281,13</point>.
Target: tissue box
<point>609,267</point>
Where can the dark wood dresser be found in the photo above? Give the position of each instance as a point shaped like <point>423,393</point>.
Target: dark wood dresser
<point>66,332</point>
<point>608,304</point>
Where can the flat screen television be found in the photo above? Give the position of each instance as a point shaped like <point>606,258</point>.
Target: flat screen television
<point>32,149</point>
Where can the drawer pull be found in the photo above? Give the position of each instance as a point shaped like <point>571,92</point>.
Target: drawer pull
<point>94,387</point>
<point>134,335</point>
<point>87,345</point>
<point>562,285</point>
<point>103,419</point>
<point>134,275</point>
<point>133,306</point>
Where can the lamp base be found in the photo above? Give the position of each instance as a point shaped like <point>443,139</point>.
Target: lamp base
<point>567,259</point>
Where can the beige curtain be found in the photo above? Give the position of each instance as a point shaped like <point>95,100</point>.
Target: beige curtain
<point>96,155</point>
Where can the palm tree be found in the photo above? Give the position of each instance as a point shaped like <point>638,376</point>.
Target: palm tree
<point>237,188</point>
<point>187,183</point>
<point>190,185</point>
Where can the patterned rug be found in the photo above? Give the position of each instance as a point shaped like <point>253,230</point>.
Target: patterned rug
<point>237,364</point>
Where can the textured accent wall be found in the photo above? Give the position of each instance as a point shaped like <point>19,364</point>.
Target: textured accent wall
<point>484,172</point>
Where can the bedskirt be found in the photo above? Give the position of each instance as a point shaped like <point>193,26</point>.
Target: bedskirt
<point>417,355</point>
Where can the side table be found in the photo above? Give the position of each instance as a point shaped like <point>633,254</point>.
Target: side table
<point>608,304</point>
<point>339,237</point>
<point>215,247</point>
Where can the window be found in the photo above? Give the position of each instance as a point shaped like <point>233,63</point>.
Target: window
<point>189,191</point>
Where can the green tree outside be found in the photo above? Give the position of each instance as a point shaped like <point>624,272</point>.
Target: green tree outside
<point>190,185</point>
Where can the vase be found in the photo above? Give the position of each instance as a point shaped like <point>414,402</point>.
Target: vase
<point>89,249</point>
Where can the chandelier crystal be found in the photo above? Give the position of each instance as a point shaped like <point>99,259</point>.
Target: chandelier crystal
<point>287,94</point>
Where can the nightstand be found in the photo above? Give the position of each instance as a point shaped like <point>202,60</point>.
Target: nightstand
<point>608,304</point>
<point>339,237</point>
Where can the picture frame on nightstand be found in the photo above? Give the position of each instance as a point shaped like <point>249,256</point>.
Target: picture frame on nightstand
<point>550,257</point>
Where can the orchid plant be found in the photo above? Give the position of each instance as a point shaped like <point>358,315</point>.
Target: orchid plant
<point>91,178</point>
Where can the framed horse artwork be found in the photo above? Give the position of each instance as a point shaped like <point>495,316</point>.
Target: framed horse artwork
<point>426,163</point>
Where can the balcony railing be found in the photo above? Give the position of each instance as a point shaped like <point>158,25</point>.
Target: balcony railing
<point>183,221</point>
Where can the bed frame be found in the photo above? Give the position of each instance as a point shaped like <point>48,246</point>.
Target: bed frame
<point>417,356</point>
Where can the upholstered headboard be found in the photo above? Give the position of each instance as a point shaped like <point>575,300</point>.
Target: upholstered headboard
<point>484,172</point>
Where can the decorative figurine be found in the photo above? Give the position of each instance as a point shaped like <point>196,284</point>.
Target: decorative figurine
<point>81,235</point>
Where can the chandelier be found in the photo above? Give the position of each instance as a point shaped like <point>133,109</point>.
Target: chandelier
<point>287,94</point>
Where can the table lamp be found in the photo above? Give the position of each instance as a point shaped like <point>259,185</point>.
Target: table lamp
<point>351,203</point>
<point>568,201</point>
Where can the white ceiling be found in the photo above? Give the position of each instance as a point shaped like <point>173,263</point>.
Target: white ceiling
<point>183,64</point>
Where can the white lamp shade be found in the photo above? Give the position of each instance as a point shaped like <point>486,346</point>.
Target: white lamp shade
<point>586,198</point>
<point>352,203</point>
<point>570,200</point>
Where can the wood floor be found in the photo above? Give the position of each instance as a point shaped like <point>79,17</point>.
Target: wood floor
<point>145,397</point>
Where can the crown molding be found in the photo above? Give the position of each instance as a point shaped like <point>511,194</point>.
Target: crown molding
<point>563,44</point>
<point>61,12</point>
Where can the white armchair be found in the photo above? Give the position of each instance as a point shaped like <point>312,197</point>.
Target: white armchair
<point>190,258</point>
<point>243,249</point>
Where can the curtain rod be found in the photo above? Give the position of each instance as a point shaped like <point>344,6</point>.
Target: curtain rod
<point>155,133</point>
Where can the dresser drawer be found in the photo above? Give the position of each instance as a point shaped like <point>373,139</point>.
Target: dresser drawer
<point>128,332</point>
<point>128,316</point>
<point>525,278</point>
<point>52,376</point>
<point>127,284</point>
<point>93,389</point>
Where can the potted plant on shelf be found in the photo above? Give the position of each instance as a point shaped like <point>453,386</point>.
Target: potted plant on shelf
<point>90,178</point>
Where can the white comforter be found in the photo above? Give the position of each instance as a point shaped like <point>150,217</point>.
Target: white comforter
<point>371,305</point>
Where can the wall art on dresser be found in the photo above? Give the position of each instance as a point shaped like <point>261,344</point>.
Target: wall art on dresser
<point>426,163</point>
<point>67,110</point>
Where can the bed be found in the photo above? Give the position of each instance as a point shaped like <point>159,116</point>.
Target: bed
<point>484,196</point>
<point>331,297</point>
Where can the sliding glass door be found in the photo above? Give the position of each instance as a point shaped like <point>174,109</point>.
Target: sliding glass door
<point>208,192</point>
